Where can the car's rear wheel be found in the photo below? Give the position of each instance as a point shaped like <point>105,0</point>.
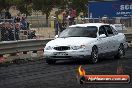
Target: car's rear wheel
<point>94,55</point>
<point>51,61</point>
<point>121,52</point>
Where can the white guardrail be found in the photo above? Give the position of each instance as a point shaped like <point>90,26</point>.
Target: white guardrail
<point>128,37</point>
<point>20,50</point>
<point>11,51</point>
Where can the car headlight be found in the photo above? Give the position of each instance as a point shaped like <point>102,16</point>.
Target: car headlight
<point>78,47</point>
<point>48,48</point>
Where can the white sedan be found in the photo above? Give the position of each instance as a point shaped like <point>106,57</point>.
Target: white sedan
<point>89,41</point>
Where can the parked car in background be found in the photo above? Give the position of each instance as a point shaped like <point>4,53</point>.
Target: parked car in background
<point>119,27</point>
<point>89,41</point>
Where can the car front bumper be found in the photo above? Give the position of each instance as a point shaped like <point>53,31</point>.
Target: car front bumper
<point>67,55</point>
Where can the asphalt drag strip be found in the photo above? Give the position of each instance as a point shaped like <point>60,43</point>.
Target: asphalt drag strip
<point>63,74</point>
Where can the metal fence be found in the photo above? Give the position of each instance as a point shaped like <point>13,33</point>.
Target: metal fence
<point>37,21</point>
<point>40,21</point>
<point>39,29</point>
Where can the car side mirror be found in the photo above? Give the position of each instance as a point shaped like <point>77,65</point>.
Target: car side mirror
<point>102,36</point>
<point>56,36</point>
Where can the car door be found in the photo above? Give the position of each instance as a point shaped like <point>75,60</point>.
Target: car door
<point>116,38</point>
<point>112,42</point>
<point>103,42</point>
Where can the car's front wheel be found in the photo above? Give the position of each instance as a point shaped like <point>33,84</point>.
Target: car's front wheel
<point>51,61</point>
<point>94,55</point>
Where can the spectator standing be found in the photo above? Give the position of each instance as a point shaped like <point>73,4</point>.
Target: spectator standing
<point>23,23</point>
<point>7,15</point>
<point>17,19</point>
<point>32,34</point>
<point>17,29</point>
<point>72,15</point>
<point>64,23</point>
<point>56,25</point>
<point>11,32</point>
<point>6,34</point>
<point>64,16</point>
<point>57,22</point>
<point>0,31</point>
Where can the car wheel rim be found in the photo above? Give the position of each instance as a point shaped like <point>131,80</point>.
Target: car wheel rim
<point>95,56</point>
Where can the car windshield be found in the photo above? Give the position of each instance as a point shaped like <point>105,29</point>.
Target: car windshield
<point>90,31</point>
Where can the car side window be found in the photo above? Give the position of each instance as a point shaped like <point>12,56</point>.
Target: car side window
<point>102,30</point>
<point>109,30</point>
<point>114,31</point>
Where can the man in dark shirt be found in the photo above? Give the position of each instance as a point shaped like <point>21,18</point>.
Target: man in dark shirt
<point>11,32</point>
<point>3,33</point>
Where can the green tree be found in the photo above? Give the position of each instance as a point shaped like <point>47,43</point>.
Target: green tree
<point>23,5</point>
<point>4,4</point>
<point>43,5</point>
<point>61,4</point>
<point>80,5</point>
<point>47,5</point>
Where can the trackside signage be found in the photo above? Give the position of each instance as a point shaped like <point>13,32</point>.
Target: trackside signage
<point>110,9</point>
